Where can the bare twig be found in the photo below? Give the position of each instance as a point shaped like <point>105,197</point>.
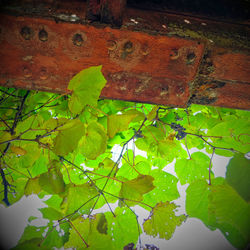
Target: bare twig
<point>6,186</point>
<point>210,165</point>
<point>71,223</point>
<point>187,148</point>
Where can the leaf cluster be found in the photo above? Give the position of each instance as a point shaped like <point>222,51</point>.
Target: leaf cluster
<point>63,146</point>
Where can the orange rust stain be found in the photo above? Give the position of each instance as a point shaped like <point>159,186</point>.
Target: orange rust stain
<point>231,66</point>
<point>147,71</point>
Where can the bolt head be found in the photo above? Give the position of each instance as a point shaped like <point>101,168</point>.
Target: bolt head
<point>145,50</point>
<point>77,40</point>
<point>111,45</point>
<point>128,47</point>
<point>174,54</point>
<point>26,33</point>
<point>43,35</point>
<point>43,74</point>
<point>191,57</point>
<point>26,72</point>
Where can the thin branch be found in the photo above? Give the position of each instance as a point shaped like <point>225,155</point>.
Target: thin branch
<point>5,185</point>
<point>6,124</point>
<point>93,207</point>
<point>133,152</point>
<point>83,171</point>
<point>210,165</point>
<point>50,231</point>
<point>67,172</point>
<point>131,165</point>
<point>10,94</point>
<point>187,148</point>
<point>69,215</point>
<point>78,233</point>
<point>118,160</point>
<point>17,171</point>
<point>104,176</point>
<point>108,204</point>
<point>212,146</point>
<point>119,198</point>
<point>18,113</point>
<point>136,216</point>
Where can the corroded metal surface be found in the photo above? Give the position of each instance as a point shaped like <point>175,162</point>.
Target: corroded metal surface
<point>155,57</point>
<point>41,54</point>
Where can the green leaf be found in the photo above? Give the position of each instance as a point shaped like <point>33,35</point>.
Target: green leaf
<point>197,201</point>
<point>17,190</point>
<point>152,114</point>
<point>50,213</point>
<point>238,175</point>
<point>54,201</point>
<point>135,188</point>
<point>32,187</point>
<point>30,245</point>
<point>86,88</point>
<point>233,132</point>
<point>130,172</point>
<point>77,196</point>
<point>155,142</point>
<point>189,170</point>
<point>95,141</point>
<point>220,206</point>
<point>40,166</point>
<point>67,139</point>
<point>123,228</point>
<point>163,220</point>
<point>31,232</point>
<point>120,122</point>
<point>52,182</point>
<point>32,155</point>
<point>170,149</point>
<point>132,165</point>
<point>231,212</point>
<point>165,188</point>
<point>53,240</point>
<point>88,229</point>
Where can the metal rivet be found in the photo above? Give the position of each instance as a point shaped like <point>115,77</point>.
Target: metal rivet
<point>190,57</point>
<point>111,45</point>
<point>174,54</point>
<point>179,90</point>
<point>128,47</point>
<point>77,39</point>
<point>43,74</point>
<point>145,50</point>
<point>26,33</point>
<point>43,35</point>
<point>26,72</point>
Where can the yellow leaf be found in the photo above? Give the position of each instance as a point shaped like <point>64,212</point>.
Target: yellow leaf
<point>18,150</point>
<point>152,114</point>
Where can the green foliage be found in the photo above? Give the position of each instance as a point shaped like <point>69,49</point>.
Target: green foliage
<point>86,88</point>
<point>220,206</point>
<point>95,141</point>
<point>63,146</point>
<point>68,137</point>
<point>238,175</point>
<point>135,188</point>
<point>163,220</point>
<point>195,168</point>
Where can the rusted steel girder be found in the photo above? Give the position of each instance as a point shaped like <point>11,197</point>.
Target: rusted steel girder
<point>155,57</point>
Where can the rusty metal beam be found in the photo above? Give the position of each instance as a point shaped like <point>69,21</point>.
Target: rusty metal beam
<point>154,57</point>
